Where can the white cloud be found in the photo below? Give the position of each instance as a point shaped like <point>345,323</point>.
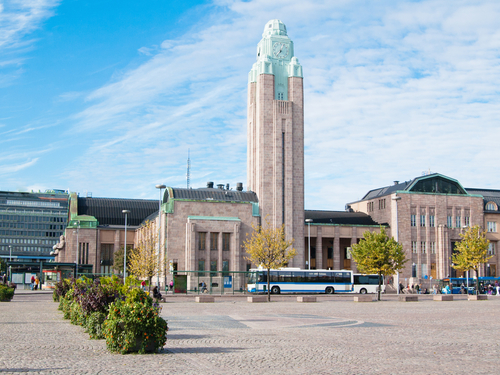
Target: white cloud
<point>391,89</point>
<point>20,17</point>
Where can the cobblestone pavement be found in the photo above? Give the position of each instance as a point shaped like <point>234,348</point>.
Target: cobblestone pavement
<point>231,336</point>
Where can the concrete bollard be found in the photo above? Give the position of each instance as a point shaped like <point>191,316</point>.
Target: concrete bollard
<point>442,297</point>
<point>364,298</point>
<point>253,299</point>
<point>204,299</point>
<point>306,299</point>
<point>408,298</point>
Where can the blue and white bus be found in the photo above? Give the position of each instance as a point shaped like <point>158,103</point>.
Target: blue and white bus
<point>295,280</point>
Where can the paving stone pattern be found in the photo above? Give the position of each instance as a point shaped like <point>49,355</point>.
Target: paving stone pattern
<point>332,336</point>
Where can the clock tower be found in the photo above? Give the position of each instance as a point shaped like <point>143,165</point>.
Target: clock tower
<point>276,135</point>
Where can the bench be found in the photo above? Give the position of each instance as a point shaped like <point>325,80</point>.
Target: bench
<point>306,299</point>
<point>204,299</point>
<point>408,298</point>
<point>479,297</point>
<point>443,297</point>
<point>363,299</point>
<point>257,299</point>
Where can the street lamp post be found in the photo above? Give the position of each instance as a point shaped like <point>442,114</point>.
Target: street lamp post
<point>309,221</point>
<point>77,248</point>
<point>397,199</point>
<point>10,260</point>
<point>160,187</point>
<point>125,247</point>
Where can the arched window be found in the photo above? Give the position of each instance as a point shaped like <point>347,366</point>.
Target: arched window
<point>491,206</point>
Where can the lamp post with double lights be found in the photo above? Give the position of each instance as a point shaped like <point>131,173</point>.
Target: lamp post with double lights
<point>126,212</point>
<point>77,247</point>
<point>10,266</point>
<point>160,187</point>
<point>397,199</point>
<point>309,221</point>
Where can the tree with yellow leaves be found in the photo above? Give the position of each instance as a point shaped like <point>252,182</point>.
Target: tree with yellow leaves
<point>378,253</point>
<point>143,261</point>
<point>471,251</point>
<point>268,248</point>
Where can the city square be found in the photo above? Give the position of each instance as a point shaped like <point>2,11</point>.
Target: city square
<point>231,336</point>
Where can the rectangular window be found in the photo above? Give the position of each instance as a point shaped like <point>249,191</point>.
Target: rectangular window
<point>201,267</point>
<point>202,241</point>
<point>492,226</point>
<point>381,204</point>
<point>413,220</point>
<point>431,221</point>
<point>433,248</point>
<point>214,239</point>
<point>422,246</point>
<point>467,221</point>
<point>424,269</point>
<point>213,266</point>
<point>225,267</point>
<point>458,222</point>
<point>422,220</point>
<point>414,247</point>
<point>491,248</point>
<point>449,222</point>
<point>225,241</point>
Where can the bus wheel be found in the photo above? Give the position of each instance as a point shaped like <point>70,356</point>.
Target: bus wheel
<point>275,290</point>
<point>329,290</point>
<point>363,291</point>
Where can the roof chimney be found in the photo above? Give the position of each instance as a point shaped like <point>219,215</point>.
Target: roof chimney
<point>239,186</point>
<point>220,186</point>
<point>227,186</point>
<point>210,185</point>
<point>396,182</point>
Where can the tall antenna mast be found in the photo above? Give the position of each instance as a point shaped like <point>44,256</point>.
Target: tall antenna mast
<point>188,171</point>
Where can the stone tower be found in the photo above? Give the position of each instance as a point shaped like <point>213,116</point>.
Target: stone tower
<point>276,134</point>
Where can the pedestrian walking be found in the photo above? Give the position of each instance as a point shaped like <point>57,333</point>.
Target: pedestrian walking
<point>37,281</point>
<point>32,285</point>
<point>143,285</point>
<point>171,285</point>
<point>497,287</point>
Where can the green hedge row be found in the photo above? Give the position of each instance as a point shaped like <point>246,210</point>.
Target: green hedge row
<point>123,314</point>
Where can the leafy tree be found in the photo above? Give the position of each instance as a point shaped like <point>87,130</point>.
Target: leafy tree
<point>118,259</point>
<point>267,247</point>
<point>144,259</point>
<point>380,254</point>
<point>471,251</point>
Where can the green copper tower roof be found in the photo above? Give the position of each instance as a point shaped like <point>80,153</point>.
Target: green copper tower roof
<point>275,55</point>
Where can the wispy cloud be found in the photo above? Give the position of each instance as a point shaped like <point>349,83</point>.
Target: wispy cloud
<point>12,168</point>
<point>391,89</point>
<point>20,17</point>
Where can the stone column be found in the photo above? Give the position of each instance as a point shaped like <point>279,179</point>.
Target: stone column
<point>319,248</point>
<point>336,250</point>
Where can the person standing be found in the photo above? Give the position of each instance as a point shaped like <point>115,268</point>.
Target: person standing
<point>37,281</point>
<point>171,285</point>
<point>32,285</point>
<point>497,287</point>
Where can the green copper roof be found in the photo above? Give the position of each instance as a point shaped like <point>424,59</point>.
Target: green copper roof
<point>275,55</point>
<point>221,218</point>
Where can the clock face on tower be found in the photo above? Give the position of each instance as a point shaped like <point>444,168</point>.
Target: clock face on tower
<point>280,50</point>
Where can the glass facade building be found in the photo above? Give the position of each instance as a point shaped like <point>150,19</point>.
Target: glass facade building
<point>31,223</point>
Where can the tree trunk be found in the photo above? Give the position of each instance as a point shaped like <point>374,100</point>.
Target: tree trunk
<point>268,284</point>
<point>379,285</point>
<point>477,280</point>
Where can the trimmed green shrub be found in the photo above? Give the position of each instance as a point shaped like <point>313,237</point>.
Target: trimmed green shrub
<point>134,325</point>
<point>6,293</point>
<point>94,325</point>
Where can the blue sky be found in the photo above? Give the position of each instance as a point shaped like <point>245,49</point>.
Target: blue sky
<point>108,96</point>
